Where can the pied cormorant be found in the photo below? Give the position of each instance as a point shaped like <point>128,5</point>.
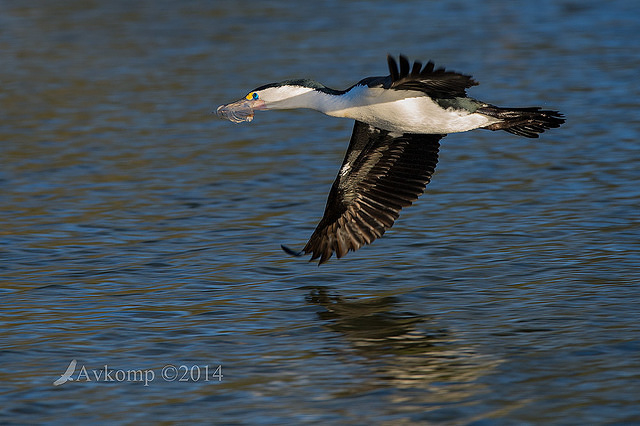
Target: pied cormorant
<point>399,121</point>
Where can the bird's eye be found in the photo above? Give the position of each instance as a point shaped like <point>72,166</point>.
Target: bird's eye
<point>252,96</point>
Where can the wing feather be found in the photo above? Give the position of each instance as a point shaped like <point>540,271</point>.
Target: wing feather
<point>434,82</point>
<point>379,176</point>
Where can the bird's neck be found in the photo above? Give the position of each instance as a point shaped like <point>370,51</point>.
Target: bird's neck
<point>305,97</point>
<point>330,103</point>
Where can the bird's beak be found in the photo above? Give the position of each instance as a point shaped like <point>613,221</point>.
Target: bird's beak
<point>241,110</point>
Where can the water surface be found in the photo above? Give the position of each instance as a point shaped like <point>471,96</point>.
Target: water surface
<point>140,231</point>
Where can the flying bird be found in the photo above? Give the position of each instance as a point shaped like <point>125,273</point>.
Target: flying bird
<point>399,121</point>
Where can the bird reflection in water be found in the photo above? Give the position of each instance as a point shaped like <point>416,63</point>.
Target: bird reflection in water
<point>404,350</point>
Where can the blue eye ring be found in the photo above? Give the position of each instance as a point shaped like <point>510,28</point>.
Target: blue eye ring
<point>253,96</point>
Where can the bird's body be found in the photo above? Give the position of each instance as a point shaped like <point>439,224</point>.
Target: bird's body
<point>399,120</point>
<point>408,111</point>
<point>413,112</point>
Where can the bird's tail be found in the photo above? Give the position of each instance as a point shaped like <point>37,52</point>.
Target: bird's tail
<point>527,122</point>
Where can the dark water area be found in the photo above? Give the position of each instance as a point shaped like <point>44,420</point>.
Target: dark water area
<point>142,234</point>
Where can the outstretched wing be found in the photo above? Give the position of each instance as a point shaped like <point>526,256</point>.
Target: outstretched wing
<point>437,83</point>
<point>381,174</point>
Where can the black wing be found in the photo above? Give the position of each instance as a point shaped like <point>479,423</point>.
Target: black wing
<point>437,83</point>
<point>381,174</point>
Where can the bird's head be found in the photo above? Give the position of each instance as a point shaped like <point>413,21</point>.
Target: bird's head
<point>284,95</point>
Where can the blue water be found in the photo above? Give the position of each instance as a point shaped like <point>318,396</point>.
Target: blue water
<point>141,233</point>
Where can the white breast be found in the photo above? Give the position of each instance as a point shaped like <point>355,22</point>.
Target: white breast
<point>416,114</point>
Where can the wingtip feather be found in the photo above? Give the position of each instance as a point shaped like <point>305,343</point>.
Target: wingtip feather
<point>291,252</point>
<point>393,67</point>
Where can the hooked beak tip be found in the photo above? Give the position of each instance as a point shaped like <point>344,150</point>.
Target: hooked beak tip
<point>236,112</point>
<point>241,110</point>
